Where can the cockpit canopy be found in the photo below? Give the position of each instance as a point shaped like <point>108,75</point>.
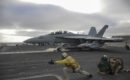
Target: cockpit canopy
<point>60,32</point>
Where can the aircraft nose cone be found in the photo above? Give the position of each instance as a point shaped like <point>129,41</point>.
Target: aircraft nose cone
<point>29,40</point>
<point>35,40</point>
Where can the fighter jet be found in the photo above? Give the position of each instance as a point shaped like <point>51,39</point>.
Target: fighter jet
<point>70,40</point>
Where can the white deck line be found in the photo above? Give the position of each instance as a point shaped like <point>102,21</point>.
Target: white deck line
<point>25,52</point>
<point>37,76</point>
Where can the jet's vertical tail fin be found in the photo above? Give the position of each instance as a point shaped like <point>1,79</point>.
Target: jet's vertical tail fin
<point>92,32</point>
<point>101,32</point>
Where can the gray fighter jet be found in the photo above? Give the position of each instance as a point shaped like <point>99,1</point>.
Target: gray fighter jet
<point>70,40</point>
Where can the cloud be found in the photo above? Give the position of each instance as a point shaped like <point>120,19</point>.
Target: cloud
<point>1,38</point>
<point>32,33</point>
<point>47,17</point>
<point>13,38</point>
<point>121,29</point>
<point>116,8</point>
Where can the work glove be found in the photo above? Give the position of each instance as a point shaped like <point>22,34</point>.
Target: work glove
<point>51,62</point>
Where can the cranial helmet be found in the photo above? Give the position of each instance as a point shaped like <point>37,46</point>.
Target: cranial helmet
<point>105,56</point>
<point>64,54</point>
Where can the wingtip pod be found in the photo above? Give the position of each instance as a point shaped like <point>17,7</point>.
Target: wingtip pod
<point>120,39</point>
<point>116,40</point>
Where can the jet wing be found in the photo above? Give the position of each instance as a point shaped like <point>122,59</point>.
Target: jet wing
<point>89,38</point>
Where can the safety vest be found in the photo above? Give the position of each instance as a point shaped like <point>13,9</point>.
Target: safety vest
<point>69,62</point>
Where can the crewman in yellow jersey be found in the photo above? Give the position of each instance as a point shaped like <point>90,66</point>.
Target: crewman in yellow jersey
<point>70,65</point>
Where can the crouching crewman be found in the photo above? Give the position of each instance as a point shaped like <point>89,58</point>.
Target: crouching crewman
<point>70,65</point>
<point>111,65</point>
<point>104,66</point>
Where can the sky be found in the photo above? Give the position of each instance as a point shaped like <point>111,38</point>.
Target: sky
<point>23,19</point>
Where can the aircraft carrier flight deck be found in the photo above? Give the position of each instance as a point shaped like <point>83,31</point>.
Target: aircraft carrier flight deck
<point>34,66</point>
